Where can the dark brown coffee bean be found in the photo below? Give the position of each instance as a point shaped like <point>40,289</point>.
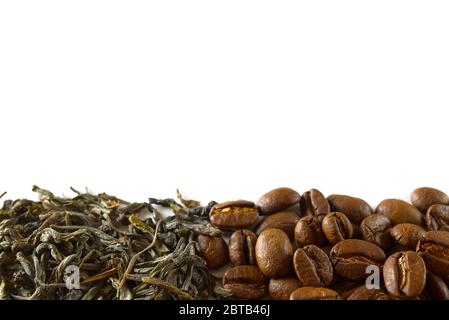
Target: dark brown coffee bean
<point>284,220</point>
<point>436,288</point>
<point>214,250</point>
<point>423,198</point>
<point>434,249</point>
<point>245,282</point>
<point>274,253</point>
<point>312,267</point>
<point>314,203</point>
<point>308,231</point>
<point>280,289</point>
<point>363,293</point>
<point>375,229</point>
<point>354,208</point>
<point>405,274</point>
<point>407,234</point>
<point>311,293</point>
<point>399,211</point>
<point>238,214</point>
<point>437,217</point>
<point>242,247</point>
<point>336,227</point>
<point>351,258</point>
<point>278,200</point>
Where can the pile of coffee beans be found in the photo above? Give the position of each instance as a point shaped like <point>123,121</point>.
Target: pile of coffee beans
<point>312,247</point>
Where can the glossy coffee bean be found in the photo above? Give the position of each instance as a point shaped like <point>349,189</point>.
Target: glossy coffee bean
<point>355,209</point>
<point>351,258</point>
<point>423,198</point>
<point>314,203</point>
<point>278,200</point>
<point>308,230</point>
<point>237,214</point>
<point>274,253</point>
<point>242,247</point>
<point>405,274</point>
<point>312,266</point>
<point>284,220</point>
<point>280,289</point>
<point>214,250</point>
<point>407,234</point>
<point>311,293</point>
<point>363,293</point>
<point>434,249</point>
<point>437,217</point>
<point>436,288</point>
<point>376,229</point>
<point>399,211</point>
<point>245,282</point>
<point>337,227</point>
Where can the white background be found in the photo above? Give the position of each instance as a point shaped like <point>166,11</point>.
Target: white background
<point>224,99</point>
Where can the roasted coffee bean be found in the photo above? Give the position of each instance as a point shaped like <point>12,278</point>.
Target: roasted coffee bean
<point>242,247</point>
<point>405,274</point>
<point>312,267</point>
<point>311,293</point>
<point>245,282</point>
<point>363,293</point>
<point>274,253</point>
<point>437,217</point>
<point>280,289</point>
<point>284,220</point>
<point>407,234</point>
<point>343,286</point>
<point>375,229</point>
<point>314,203</point>
<point>278,200</point>
<point>436,288</point>
<point>423,198</point>
<point>434,249</point>
<point>234,214</point>
<point>337,227</point>
<point>214,250</point>
<point>308,230</point>
<point>399,211</point>
<point>354,208</point>
<point>351,257</point>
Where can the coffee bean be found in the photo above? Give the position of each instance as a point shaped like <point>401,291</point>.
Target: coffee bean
<point>423,198</point>
<point>314,203</point>
<point>274,253</point>
<point>375,229</point>
<point>280,289</point>
<point>308,230</point>
<point>311,293</point>
<point>234,214</point>
<point>407,234</point>
<point>245,282</point>
<point>343,286</point>
<point>355,209</point>
<point>399,211</point>
<point>434,249</point>
<point>363,293</point>
<point>312,267</point>
<point>405,274</point>
<point>214,250</point>
<point>337,227</point>
<point>284,220</point>
<point>437,217</point>
<point>351,257</point>
<point>436,288</point>
<point>242,247</point>
<point>278,200</point>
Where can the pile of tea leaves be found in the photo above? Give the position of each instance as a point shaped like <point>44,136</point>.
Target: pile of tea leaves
<point>102,247</point>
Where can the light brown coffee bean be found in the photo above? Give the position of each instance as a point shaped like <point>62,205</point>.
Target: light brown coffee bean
<point>407,234</point>
<point>337,227</point>
<point>280,289</point>
<point>437,217</point>
<point>434,249</point>
<point>354,208</point>
<point>399,211</point>
<point>423,198</point>
<point>308,230</point>
<point>363,293</point>
<point>284,220</point>
<point>214,250</point>
<point>278,200</point>
<point>312,266</point>
<point>245,282</point>
<point>376,229</point>
<point>314,203</point>
<point>237,214</point>
<point>311,293</point>
<point>242,247</point>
